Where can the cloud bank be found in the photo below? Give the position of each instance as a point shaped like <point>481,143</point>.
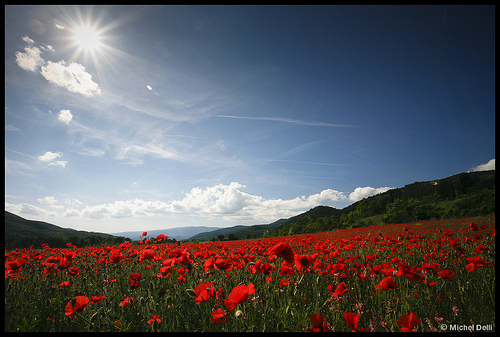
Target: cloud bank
<point>228,202</point>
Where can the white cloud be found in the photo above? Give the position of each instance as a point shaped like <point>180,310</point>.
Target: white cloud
<point>485,167</point>
<point>31,58</point>
<point>49,157</point>
<point>27,209</point>
<point>365,192</point>
<point>65,116</point>
<point>47,200</point>
<point>71,76</point>
<point>221,201</point>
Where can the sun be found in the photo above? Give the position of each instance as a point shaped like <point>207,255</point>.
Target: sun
<point>87,38</point>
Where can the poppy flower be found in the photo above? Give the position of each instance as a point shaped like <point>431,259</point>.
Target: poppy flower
<point>409,322</point>
<point>97,299</point>
<point>223,264</point>
<point>75,306</point>
<point>203,292</point>
<point>164,272</point>
<point>284,282</point>
<point>318,323</point>
<point>146,254</point>
<point>219,316</point>
<point>154,318</point>
<point>66,284</point>
<point>303,261</point>
<point>475,262</point>
<point>238,295</point>
<point>340,290</point>
<point>447,275</point>
<point>133,280</point>
<point>352,320</point>
<point>473,226</point>
<point>127,302</point>
<point>387,283</point>
<point>283,250</point>
<point>144,234</point>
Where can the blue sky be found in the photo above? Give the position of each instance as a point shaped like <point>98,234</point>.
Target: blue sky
<point>177,116</point>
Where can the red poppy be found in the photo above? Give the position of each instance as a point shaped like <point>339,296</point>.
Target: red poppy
<point>239,295</point>
<point>283,250</point>
<point>154,318</point>
<point>219,316</point>
<point>127,302</point>
<point>387,283</point>
<point>97,299</point>
<point>318,323</point>
<point>146,254</point>
<point>75,306</point>
<point>303,261</point>
<point>447,275</point>
<point>475,262</point>
<point>133,280</point>
<point>204,291</point>
<point>144,234</point>
<point>164,272</point>
<point>409,322</point>
<point>223,264</point>
<point>352,320</point>
<point>341,289</point>
<point>284,282</point>
<point>473,226</point>
<point>66,284</point>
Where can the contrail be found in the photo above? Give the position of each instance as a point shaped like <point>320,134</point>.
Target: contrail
<point>288,120</point>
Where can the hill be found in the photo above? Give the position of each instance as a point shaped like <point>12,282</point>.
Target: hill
<point>22,233</point>
<point>461,195</point>
<point>176,233</point>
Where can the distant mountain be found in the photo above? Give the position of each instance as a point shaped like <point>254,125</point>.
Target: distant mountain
<point>254,231</point>
<point>461,195</point>
<point>20,233</point>
<point>178,233</point>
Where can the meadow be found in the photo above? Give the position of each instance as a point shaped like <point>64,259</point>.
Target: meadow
<point>428,276</point>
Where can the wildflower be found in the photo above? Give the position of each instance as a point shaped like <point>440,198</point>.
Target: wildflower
<point>219,316</point>
<point>133,280</point>
<point>387,283</point>
<point>239,295</point>
<point>144,234</point>
<point>66,284</point>
<point>97,299</point>
<point>318,322</point>
<point>447,275</point>
<point>409,322</point>
<point>154,318</point>
<point>340,290</point>
<point>203,292</point>
<point>127,302</point>
<point>283,250</point>
<point>75,306</point>
<point>352,320</point>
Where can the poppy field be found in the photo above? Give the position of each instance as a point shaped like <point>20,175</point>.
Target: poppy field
<point>430,276</point>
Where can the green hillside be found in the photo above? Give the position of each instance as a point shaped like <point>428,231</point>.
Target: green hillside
<point>461,195</point>
<point>22,233</point>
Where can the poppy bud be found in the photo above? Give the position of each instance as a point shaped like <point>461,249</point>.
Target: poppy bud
<point>238,313</point>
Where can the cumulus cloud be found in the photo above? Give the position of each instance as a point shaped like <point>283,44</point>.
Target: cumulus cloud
<point>228,202</point>
<point>485,167</point>
<point>71,76</point>
<point>365,192</point>
<point>49,157</point>
<point>65,116</point>
<point>31,58</point>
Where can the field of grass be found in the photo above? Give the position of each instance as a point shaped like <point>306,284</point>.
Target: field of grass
<point>428,276</point>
